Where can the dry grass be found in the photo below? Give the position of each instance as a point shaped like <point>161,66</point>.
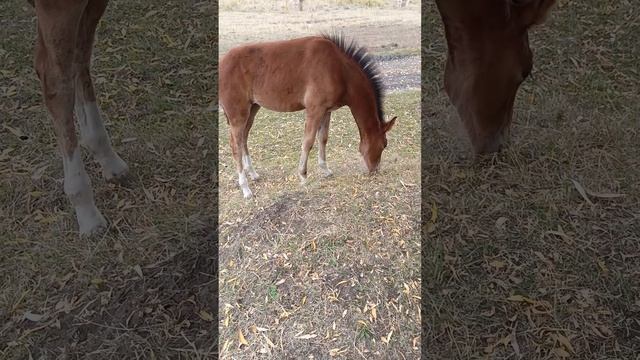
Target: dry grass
<point>534,253</point>
<point>146,287</point>
<point>329,269</point>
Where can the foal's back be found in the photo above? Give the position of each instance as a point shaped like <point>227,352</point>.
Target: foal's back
<point>288,75</point>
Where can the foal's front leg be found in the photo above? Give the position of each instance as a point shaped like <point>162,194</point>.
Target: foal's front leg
<point>54,65</point>
<point>323,137</point>
<point>93,134</point>
<point>237,147</point>
<point>311,126</point>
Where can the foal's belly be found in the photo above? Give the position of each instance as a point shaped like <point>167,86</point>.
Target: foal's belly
<point>279,105</point>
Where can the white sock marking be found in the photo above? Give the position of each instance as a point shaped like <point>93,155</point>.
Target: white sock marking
<point>248,167</point>
<point>94,137</point>
<point>77,186</point>
<point>244,185</point>
<point>324,168</point>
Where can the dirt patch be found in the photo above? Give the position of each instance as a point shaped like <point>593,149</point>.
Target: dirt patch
<point>400,73</point>
<point>382,31</point>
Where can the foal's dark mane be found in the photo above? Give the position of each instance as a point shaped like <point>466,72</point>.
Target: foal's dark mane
<point>367,64</point>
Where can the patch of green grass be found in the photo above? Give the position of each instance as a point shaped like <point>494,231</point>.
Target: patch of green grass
<point>272,291</point>
<point>363,333</point>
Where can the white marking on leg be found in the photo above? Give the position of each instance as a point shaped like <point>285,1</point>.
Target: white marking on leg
<point>244,185</point>
<point>248,167</point>
<point>95,138</point>
<point>323,132</point>
<point>324,168</point>
<point>77,186</point>
<point>322,163</point>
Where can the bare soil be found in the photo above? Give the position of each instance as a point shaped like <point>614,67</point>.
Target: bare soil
<point>382,31</point>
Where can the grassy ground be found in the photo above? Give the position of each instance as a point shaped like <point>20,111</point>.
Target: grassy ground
<point>146,287</point>
<point>534,254</point>
<point>331,268</point>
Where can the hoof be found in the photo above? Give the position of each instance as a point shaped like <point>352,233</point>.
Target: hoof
<point>326,172</point>
<point>116,171</point>
<point>254,176</point>
<point>90,221</point>
<point>247,194</point>
<point>303,179</point>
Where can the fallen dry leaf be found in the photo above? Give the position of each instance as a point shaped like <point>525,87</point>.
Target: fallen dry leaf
<point>564,341</point>
<point>241,338</point>
<point>205,315</point>
<point>582,192</point>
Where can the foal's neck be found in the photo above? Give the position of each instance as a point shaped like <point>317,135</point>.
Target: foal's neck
<point>364,110</point>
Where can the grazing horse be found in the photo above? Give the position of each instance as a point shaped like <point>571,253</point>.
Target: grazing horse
<point>66,30</point>
<point>488,58</point>
<point>318,74</point>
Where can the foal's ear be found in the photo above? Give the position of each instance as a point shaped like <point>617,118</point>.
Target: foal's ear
<point>389,124</point>
<point>531,12</point>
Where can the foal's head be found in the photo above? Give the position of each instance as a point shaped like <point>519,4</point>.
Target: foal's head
<point>488,58</point>
<point>371,146</point>
<point>366,104</point>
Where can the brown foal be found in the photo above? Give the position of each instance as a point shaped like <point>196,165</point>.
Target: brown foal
<point>318,74</point>
<point>488,58</point>
<point>66,30</point>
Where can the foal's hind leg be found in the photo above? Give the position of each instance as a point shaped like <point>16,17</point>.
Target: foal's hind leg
<point>323,137</point>
<point>311,125</point>
<point>93,134</point>
<point>246,158</point>
<point>55,48</point>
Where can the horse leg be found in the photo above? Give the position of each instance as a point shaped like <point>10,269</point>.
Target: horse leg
<point>237,118</point>
<point>323,137</point>
<point>246,158</point>
<point>237,145</point>
<point>311,126</point>
<point>55,48</point>
<point>92,132</point>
